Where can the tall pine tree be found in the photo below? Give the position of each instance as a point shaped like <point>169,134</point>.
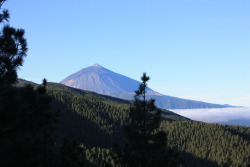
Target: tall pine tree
<point>146,142</point>
<point>13,48</point>
<point>25,117</point>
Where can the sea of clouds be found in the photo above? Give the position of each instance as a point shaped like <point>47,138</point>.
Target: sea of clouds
<point>236,116</point>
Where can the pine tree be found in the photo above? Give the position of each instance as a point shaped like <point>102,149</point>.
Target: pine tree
<point>146,142</point>
<point>13,48</point>
<point>26,126</point>
<point>26,121</point>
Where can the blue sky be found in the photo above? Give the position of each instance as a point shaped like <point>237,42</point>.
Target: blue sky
<point>196,49</point>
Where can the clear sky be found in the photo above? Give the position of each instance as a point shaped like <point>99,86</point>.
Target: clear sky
<point>195,49</point>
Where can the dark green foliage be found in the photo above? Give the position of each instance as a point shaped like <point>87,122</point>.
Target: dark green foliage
<point>144,119</point>
<point>13,48</point>
<point>26,122</point>
<point>25,119</point>
<point>84,116</point>
<point>4,15</point>
<point>26,125</point>
<point>71,154</point>
<point>216,143</point>
<point>90,118</point>
<point>146,145</point>
<point>101,157</point>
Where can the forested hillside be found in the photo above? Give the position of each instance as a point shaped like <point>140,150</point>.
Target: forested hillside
<point>91,118</point>
<point>52,125</point>
<point>96,122</point>
<point>219,144</point>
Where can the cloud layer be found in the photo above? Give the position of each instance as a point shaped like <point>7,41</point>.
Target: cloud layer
<point>216,115</point>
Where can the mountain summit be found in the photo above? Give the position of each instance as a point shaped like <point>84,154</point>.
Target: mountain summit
<point>103,81</point>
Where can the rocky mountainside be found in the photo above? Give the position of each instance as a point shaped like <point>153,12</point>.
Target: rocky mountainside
<point>103,81</point>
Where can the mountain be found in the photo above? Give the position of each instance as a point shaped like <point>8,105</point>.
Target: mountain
<point>103,81</point>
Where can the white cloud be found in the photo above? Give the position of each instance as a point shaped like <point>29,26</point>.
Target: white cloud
<point>215,115</point>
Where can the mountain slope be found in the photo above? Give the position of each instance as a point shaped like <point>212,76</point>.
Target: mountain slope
<point>96,121</point>
<point>103,81</point>
<point>91,118</point>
